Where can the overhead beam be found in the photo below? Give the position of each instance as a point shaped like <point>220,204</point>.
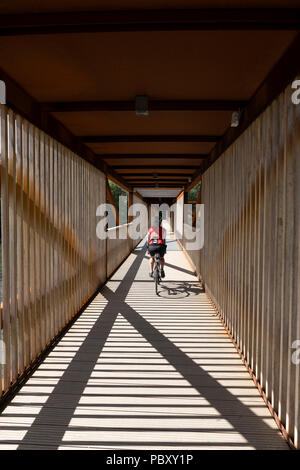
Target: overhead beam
<point>161,180</point>
<point>159,200</point>
<point>281,75</point>
<point>179,184</point>
<point>154,167</point>
<point>151,156</point>
<point>153,180</point>
<point>147,175</point>
<point>151,20</point>
<point>160,186</point>
<point>94,139</point>
<point>154,105</point>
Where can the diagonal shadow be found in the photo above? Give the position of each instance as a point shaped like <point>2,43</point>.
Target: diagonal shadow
<point>98,334</point>
<point>190,371</point>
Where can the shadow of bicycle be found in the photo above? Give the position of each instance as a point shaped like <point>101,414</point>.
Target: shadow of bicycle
<point>179,289</point>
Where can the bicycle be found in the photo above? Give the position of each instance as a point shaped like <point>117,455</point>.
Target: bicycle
<point>156,271</point>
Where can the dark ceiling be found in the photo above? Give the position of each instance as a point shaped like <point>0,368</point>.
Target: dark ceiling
<point>194,76</point>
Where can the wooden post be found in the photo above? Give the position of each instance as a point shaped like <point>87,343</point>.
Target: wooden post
<point>112,202</point>
<point>198,201</point>
<point>130,202</point>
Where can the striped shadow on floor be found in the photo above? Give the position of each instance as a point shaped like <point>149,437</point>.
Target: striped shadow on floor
<point>140,371</point>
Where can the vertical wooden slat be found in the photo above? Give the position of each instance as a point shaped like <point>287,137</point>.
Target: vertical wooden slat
<point>20,250</point>
<point>49,234</point>
<point>48,313</point>
<point>26,243</point>
<point>297,270</point>
<point>292,267</point>
<point>67,244</point>
<point>36,267</point>
<point>72,240</point>
<point>5,249</point>
<point>56,215</point>
<point>277,292</point>
<point>259,249</point>
<point>62,240</point>
<point>42,262</point>
<point>13,245</point>
<point>79,227</point>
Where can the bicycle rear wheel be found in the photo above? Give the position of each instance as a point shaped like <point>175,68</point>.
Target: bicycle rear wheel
<point>156,273</point>
<point>156,278</point>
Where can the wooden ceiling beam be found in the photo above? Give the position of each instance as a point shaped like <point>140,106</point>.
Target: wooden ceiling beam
<point>158,186</point>
<point>177,183</point>
<point>154,167</point>
<point>160,178</point>
<point>94,139</point>
<point>159,175</point>
<point>151,156</point>
<point>221,19</point>
<point>154,105</point>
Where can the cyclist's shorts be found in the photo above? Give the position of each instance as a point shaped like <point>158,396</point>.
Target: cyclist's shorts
<point>157,248</point>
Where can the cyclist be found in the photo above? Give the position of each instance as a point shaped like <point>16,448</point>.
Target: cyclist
<point>156,243</point>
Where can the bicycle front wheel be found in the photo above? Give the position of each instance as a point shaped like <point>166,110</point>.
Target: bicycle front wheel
<point>156,280</point>
<point>156,285</point>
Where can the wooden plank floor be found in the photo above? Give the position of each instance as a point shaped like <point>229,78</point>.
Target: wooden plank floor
<point>137,371</point>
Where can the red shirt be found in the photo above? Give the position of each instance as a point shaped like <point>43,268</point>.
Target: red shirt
<point>155,235</point>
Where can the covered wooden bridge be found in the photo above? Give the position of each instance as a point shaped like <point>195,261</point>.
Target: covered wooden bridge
<point>193,104</point>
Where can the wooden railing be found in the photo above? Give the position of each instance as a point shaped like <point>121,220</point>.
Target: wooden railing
<point>52,260</point>
<point>250,260</point>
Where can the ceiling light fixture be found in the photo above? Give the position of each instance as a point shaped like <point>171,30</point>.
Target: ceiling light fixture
<point>142,105</point>
<point>235,118</point>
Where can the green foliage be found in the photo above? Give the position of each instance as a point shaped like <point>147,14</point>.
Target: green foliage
<point>193,193</point>
<point>116,192</point>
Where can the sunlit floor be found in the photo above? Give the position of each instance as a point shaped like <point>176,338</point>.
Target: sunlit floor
<point>140,371</point>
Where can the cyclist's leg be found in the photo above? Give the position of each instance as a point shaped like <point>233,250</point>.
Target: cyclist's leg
<point>163,250</point>
<point>151,252</point>
<point>162,260</point>
<point>151,264</point>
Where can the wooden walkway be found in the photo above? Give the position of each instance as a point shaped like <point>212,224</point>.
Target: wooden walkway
<point>138,371</point>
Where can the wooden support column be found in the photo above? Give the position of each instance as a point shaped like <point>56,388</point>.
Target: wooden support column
<point>112,202</point>
<point>197,202</point>
<point>185,197</point>
<point>130,202</point>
